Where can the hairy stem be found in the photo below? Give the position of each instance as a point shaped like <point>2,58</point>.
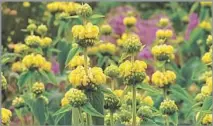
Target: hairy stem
<point>111,119</point>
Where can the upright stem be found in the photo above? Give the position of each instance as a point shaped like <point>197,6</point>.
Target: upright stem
<point>111,119</point>
<point>88,120</point>
<point>133,98</point>
<point>134,105</point>
<point>166,120</point>
<point>81,117</point>
<point>113,84</point>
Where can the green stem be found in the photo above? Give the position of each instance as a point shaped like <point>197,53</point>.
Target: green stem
<point>133,98</point>
<point>75,117</point>
<point>88,120</point>
<point>166,120</point>
<point>113,83</point>
<point>181,56</point>
<point>81,117</point>
<point>111,119</point>
<point>19,115</point>
<point>134,105</point>
<point>165,92</point>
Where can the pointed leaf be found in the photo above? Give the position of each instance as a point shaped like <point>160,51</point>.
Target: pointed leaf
<point>71,54</point>
<point>63,110</point>
<point>90,110</point>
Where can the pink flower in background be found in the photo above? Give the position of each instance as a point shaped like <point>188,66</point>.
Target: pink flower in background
<point>193,22</point>
<point>55,66</point>
<point>145,29</point>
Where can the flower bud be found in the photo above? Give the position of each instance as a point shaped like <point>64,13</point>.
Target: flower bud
<point>31,27</point>
<point>144,112</point>
<point>148,101</point>
<point>200,97</point>
<point>209,40</point>
<point>129,21</point>
<point>42,29</point>
<point>38,88</point>
<point>76,97</point>
<point>207,58</point>
<point>112,71</point>
<point>116,118</point>
<point>32,40</point>
<point>163,22</point>
<point>64,101</point>
<point>3,81</point>
<point>84,10</point>
<point>168,107</point>
<point>18,102</point>
<point>46,101</point>
<point>132,44</point>
<point>112,103</point>
<point>106,29</point>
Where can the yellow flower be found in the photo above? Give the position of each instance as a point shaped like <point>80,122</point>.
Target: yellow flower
<point>79,78</point>
<point>91,31</point>
<point>107,48</point>
<point>148,100</point>
<point>206,25</point>
<point>18,67</point>
<point>122,39</point>
<point>26,4</point>
<point>168,107</point>
<point>6,115</point>
<point>129,21</point>
<point>78,31</point>
<point>98,76</point>
<point>45,42</point>
<point>207,58</point>
<point>209,83</point>
<point>163,52</point>
<point>206,4</point>
<point>92,50</point>
<point>162,79</point>
<point>118,93</point>
<point>207,119</point>
<point>206,90</point>
<point>53,6</point>
<point>146,80</point>
<point>64,101</point>
<point>77,61</point>
<point>31,27</point>
<point>38,88</point>
<point>126,68</point>
<point>18,48</point>
<point>162,34</point>
<point>47,66</point>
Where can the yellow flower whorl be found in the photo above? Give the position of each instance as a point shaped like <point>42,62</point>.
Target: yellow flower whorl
<point>36,61</point>
<point>206,4</point>
<point>18,48</point>
<point>163,22</point>
<point>18,102</point>
<point>6,115</point>
<point>161,79</point>
<point>17,67</point>
<point>148,100</point>
<point>207,119</point>
<point>163,52</point>
<point>32,40</point>
<point>77,61</point>
<point>164,34</point>
<point>126,68</point>
<point>64,101</point>
<point>78,77</point>
<point>132,44</point>
<point>75,97</point>
<point>207,58</point>
<point>68,7</point>
<point>107,48</point>
<point>45,42</point>
<point>168,107</point>
<point>106,29</point>
<point>206,25</point>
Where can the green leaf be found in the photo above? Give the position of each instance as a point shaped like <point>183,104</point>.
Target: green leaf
<point>44,76</point>
<point>90,110</point>
<point>51,77</point>
<point>106,90</point>
<point>181,93</point>
<point>39,110</point>
<point>71,54</point>
<point>72,17</point>
<point>174,118</point>
<point>149,88</point>
<point>94,16</point>
<point>23,79</point>
<point>194,7</point>
<point>64,47</point>
<point>96,98</point>
<point>63,110</point>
